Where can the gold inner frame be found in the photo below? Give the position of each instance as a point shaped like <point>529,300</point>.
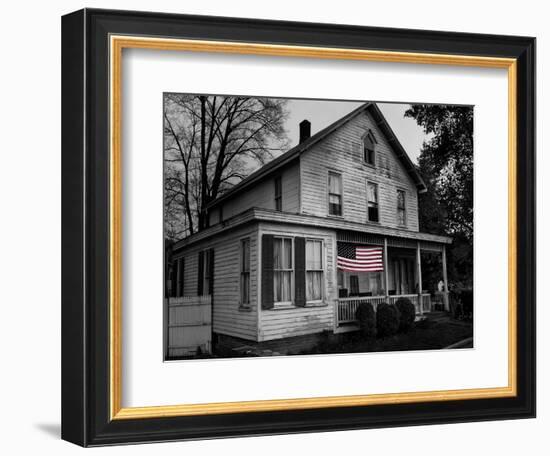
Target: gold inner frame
<point>117,44</point>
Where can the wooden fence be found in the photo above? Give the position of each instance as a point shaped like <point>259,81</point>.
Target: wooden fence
<point>189,326</point>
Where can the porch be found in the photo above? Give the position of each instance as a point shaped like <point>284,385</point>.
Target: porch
<point>424,303</point>
<point>378,269</point>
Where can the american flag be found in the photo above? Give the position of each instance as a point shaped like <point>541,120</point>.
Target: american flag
<point>359,258</point>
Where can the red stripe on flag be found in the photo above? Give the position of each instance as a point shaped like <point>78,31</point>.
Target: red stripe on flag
<point>365,262</point>
<point>367,259</point>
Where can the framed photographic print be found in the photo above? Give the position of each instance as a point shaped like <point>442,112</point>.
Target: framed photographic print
<point>278,227</point>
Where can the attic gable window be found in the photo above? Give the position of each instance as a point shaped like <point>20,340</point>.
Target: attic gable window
<point>369,149</point>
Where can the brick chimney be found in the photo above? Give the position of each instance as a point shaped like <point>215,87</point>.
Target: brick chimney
<point>305,130</point>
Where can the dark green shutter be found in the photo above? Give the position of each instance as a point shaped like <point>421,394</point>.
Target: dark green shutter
<point>200,273</point>
<point>181,275</point>
<point>267,271</point>
<point>173,291</point>
<point>300,271</point>
<point>211,272</point>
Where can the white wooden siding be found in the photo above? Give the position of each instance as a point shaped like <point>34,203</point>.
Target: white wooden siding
<point>262,195</point>
<point>342,151</point>
<point>297,321</point>
<point>227,316</point>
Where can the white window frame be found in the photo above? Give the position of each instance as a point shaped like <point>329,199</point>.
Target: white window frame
<point>377,188</point>
<point>335,173</point>
<point>293,271</point>
<point>397,208</point>
<point>322,270</point>
<point>242,272</point>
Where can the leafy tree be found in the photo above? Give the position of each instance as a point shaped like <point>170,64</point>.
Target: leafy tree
<point>446,165</point>
<point>210,144</point>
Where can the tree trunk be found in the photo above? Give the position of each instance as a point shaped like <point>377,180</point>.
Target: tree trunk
<point>204,167</point>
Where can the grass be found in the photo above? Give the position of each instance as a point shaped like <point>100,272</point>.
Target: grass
<point>425,335</point>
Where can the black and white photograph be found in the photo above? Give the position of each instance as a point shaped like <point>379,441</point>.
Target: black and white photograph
<point>304,227</point>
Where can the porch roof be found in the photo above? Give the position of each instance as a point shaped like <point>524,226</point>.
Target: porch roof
<point>269,215</point>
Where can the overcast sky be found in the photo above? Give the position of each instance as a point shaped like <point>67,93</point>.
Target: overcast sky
<point>323,113</point>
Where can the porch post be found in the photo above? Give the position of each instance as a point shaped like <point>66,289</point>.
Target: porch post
<point>386,265</point>
<point>445,289</point>
<point>419,273</point>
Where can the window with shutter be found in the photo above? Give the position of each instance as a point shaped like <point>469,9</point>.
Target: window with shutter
<point>207,272</point>
<point>267,271</point>
<point>211,264</point>
<point>299,271</point>
<point>200,270</point>
<point>314,270</point>
<point>245,272</point>
<point>283,270</point>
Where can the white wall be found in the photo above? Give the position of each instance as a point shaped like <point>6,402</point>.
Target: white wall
<point>30,228</point>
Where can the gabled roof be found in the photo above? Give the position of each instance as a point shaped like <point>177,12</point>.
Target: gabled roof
<point>296,151</point>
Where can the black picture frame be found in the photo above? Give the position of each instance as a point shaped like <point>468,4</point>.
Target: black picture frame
<point>85,225</point>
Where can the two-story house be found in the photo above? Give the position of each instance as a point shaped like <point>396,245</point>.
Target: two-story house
<point>294,248</point>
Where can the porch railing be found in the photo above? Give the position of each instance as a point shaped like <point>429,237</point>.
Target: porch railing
<point>347,307</point>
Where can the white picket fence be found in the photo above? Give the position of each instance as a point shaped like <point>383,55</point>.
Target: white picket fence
<point>189,326</point>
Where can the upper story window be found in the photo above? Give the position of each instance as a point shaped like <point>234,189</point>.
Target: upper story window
<point>245,272</point>
<point>278,194</point>
<point>283,270</point>
<point>372,202</point>
<point>314,270</point>
<point>401,208</point>
<point>334,193</point>
<point>369,149</point>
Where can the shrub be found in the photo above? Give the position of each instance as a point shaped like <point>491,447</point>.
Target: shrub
<point>467,299</point>
<point>462,304</point>
<point>367,320</point>
<point>387,320</point>
<point>407,314</point>
<point>456,310</point>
